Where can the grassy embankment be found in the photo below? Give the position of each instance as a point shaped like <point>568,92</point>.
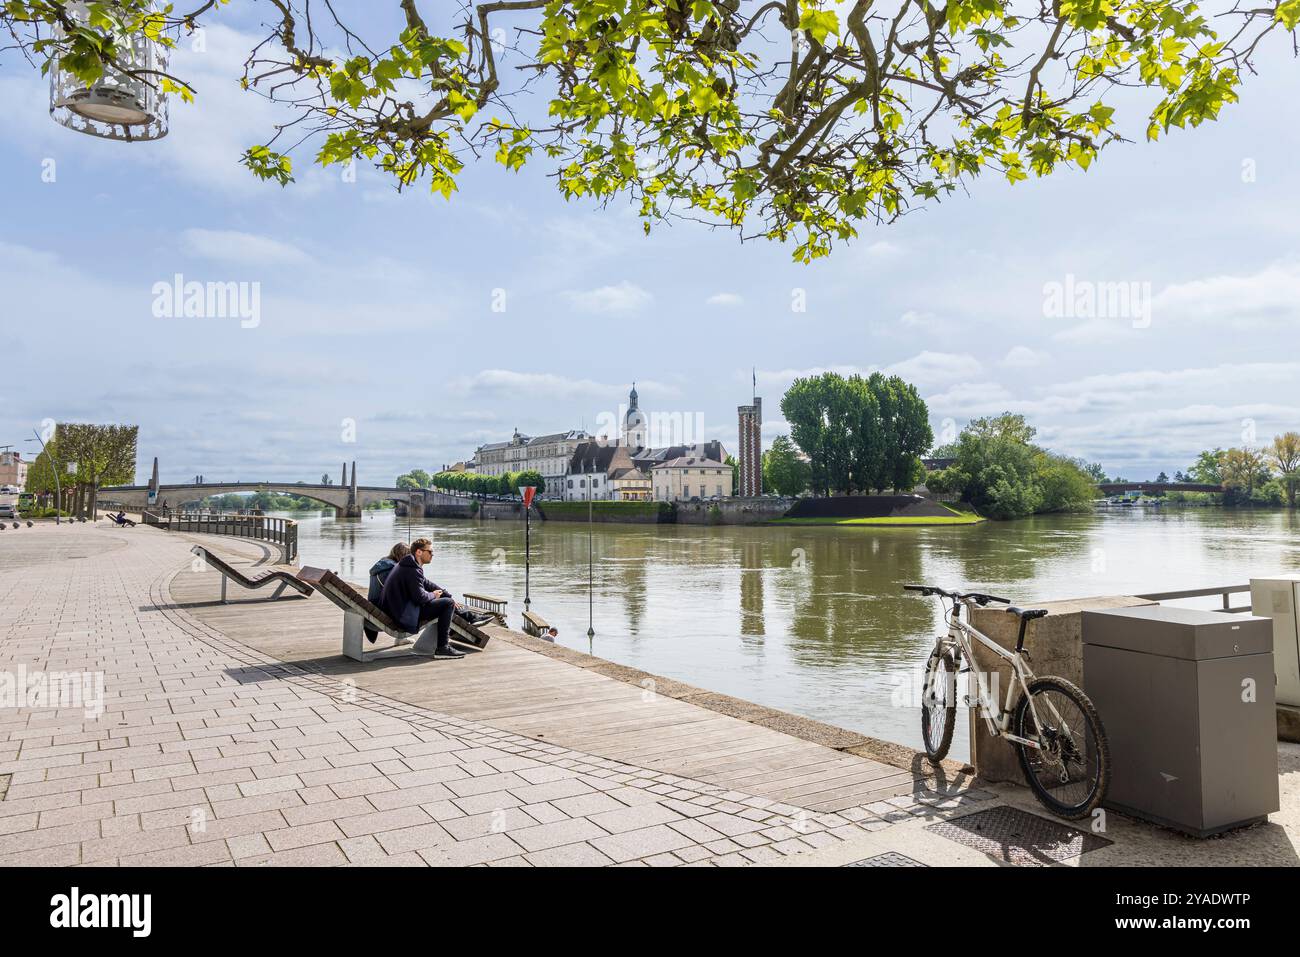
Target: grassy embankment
<point>957,517</point>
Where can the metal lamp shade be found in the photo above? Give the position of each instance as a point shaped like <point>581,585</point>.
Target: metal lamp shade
<point>116,106</point>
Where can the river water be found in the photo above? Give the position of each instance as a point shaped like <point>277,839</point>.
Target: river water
<point>810,620</point>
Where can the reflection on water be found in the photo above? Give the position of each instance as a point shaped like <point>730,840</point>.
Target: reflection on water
<point>809,619</point>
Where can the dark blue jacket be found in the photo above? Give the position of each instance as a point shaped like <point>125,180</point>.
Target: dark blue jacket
<point>378,572</point>
<point>405,591</point>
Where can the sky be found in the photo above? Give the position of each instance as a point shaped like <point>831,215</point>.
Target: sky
<point>402,330</point>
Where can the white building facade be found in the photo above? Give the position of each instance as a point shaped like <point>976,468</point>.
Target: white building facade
<point>548,454</point>
<point>688,477</point>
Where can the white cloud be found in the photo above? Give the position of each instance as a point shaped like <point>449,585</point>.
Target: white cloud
<point>883,249</point>
<point>1023,357</point>
<point>626,297</point>
<point>725,299</point>
<point>250,249</point>
<point>507,382</point>
<point>966,400</point>
<point>1265,297</point>
<point>935,368</point>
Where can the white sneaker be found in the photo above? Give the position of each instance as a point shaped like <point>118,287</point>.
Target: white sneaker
<point>398,642</point>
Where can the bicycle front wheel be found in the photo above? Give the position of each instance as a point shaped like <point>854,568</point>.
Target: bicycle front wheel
<point>939,704</point>
<point>1070,770</point>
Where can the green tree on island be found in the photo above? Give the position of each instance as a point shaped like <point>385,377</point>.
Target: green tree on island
<point>1000,471</point>
<point>796,120</point>
<point>784,472</point>
<point>859,434</point>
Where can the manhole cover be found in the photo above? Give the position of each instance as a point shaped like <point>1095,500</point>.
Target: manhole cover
<point>1017,837</point>
<point>888,859</point>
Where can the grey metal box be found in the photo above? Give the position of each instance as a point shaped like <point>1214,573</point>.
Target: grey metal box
<point>1187,701</point>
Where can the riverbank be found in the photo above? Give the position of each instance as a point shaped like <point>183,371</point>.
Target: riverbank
<point>245,716</point>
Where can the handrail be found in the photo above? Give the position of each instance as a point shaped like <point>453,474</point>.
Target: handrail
<point>280,531</point>
<point>1224,590</point>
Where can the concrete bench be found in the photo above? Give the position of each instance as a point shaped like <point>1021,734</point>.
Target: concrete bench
<point>536,625</point>
<point>231,573</point>
<point>359,611</point>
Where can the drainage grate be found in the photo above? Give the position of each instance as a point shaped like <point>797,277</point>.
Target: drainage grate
<point>888,859</point>
<point>1014,836</point>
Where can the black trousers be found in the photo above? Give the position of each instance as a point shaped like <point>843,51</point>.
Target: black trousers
<point>442,609</point>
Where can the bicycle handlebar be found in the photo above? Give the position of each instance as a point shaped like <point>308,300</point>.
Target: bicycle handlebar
<point>980,598</point>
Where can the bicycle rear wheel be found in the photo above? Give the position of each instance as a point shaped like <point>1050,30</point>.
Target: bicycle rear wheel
<point>939,704</point>
<point>1071,771</point>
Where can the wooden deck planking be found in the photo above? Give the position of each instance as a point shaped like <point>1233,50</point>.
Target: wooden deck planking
<point>513,688</point>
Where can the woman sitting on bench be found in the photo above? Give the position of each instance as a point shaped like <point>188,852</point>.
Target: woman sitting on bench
<point>378,574</point>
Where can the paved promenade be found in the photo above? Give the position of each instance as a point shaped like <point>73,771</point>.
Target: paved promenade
<point>235,735</point>
<point>208,752</point>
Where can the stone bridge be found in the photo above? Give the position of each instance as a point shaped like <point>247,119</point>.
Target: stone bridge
<point>348,499</point>
<point>1116,488</point>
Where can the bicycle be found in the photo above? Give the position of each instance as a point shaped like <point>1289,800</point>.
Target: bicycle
<point>1054,726</point>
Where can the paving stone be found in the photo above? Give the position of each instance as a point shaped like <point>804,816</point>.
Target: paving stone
<point>584,805</point>
<point>630,845</point>
<point>580,854</point>
<point>543,836</point>
<point>632,818</point>
<point>479,850</point>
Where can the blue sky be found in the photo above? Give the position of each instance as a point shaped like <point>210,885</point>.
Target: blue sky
<point>377,308</point>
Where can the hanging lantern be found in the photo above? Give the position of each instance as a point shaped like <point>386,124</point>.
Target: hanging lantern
<point>116,106</point>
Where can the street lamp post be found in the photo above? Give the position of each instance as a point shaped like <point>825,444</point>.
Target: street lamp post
<point>526,493</point>
<point>54,467</point>
<point>591,601</point>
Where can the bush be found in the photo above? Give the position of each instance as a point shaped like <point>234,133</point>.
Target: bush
<point>660,511</point>
<point>1004,475</point>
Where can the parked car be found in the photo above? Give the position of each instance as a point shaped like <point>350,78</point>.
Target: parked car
<point>8,510</point>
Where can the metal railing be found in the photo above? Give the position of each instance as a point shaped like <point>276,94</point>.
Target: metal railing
<point>279,531</point>
<point>1222,590</point>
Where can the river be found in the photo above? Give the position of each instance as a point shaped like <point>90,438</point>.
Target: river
<point>810,620</point>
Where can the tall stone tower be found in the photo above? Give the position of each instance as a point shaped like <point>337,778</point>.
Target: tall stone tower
<point>751,447</point>
<point>635,433</point>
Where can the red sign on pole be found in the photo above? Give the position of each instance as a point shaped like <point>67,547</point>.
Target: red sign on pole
<point>527,492</point>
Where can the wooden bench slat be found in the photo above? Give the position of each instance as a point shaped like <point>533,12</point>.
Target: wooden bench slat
<point>231,573</point>
<point>535,624</point>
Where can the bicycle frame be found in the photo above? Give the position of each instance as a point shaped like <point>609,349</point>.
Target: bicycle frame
<point>963,633</point>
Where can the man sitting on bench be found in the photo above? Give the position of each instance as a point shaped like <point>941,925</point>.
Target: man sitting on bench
<point>414,601</point>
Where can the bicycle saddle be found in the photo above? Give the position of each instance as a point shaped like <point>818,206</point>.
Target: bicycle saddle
<point>1025,614</point>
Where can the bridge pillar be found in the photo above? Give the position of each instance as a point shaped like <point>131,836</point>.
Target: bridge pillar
<point>415,504</point>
